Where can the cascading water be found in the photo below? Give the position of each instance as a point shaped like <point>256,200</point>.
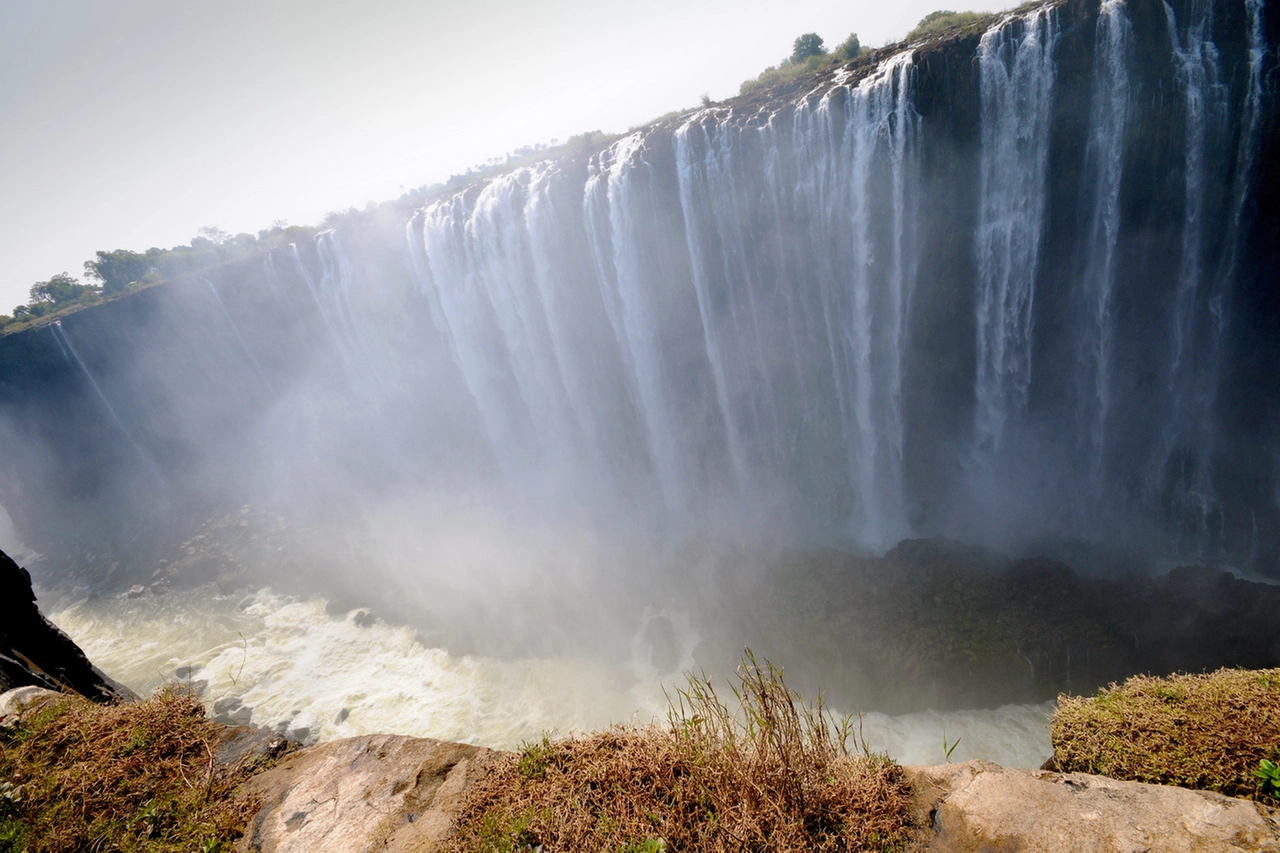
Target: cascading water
<point>1104,169</point>
<point>1017,79</point>
<point>940,294</point>
<point>70,352</point>
<point>495,260</point>
<point>1182,467</point>
<point>244,345</point>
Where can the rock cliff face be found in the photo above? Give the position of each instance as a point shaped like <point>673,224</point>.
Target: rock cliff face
<point>1013,285</point>
<point>34,653</point>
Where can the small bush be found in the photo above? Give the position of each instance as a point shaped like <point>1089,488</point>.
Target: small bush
<point>786,72</point>
<point>138,777</point>
<point>1197,731</point>
<point>777,775</point>
<point>850,48</point>
<point>943,19</point>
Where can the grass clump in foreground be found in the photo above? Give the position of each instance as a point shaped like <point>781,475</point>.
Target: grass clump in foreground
<point>136,777</point>
<point>1209,732</point>
<point>777,776</point>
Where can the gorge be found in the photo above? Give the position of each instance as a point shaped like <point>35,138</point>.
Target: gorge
<point>1013,286</point>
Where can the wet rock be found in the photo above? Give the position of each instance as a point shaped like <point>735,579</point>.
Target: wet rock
<point>33,652</point>
<point>135,591</point>
<point>243,744</point>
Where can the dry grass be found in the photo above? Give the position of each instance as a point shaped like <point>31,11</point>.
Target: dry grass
<point>1195,731</point>
<point>135,777</point>
<point>776,776</point>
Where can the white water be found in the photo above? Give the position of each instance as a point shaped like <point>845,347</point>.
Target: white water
<point>1104,165</point>
<point>621,323</point>
<point>298,667</point>
<point>1017,77</point>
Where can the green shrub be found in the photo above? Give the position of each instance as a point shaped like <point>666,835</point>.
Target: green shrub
<point>1196,731</point>
<point>943,19</point>
<point>850,47</point>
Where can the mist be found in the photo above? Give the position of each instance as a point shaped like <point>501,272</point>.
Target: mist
<point>973,323</point>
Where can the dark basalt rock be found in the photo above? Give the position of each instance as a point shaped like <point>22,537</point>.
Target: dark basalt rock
<point>33,652</point>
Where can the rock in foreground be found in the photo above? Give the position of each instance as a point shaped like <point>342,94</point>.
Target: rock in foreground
<point>980,806</point>
<point>385,792</point>
<point>34,653</point>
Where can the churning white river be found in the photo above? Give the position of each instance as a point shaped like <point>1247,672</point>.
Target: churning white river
<point>324,676</point>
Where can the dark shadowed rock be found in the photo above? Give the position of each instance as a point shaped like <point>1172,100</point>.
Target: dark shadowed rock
<point>33,652</point>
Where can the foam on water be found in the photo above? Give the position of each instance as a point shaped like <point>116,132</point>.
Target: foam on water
<point>299,667</point>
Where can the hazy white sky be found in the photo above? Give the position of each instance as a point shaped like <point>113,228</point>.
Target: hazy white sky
<point>134,123</point>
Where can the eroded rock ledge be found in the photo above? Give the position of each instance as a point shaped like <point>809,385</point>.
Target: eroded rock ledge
<point>400,794</point>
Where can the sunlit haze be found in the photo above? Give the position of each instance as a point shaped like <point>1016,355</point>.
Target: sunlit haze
<point>135,123</point>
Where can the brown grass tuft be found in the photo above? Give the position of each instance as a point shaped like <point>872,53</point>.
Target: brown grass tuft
<point>1196,731</point>
<point>775,776</point>
<point>136,777</point>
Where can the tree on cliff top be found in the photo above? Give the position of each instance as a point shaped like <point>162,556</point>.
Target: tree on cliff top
<point>60,289</point>
<point>805,46</point>
<point>117,270</point>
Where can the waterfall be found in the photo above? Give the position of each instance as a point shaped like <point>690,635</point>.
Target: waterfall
<point>1104,165</point>
<point>612,211</point>
<point>1182,466</point>
<point>1016,64</point>
<point>987,288</point>
<point>68,348</point>
<point>244,345</point>
<point>570,327</point>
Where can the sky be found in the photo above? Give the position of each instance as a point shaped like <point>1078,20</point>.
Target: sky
<point>126,124</point>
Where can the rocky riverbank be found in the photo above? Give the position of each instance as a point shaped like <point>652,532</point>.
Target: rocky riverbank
<point>404,795</point>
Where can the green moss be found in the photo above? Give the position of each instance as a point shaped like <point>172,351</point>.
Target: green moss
<point>1196,731</point>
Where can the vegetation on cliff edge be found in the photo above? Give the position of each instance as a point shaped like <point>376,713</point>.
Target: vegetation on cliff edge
<point>76,776</point>
<point>775,775</point>
<point>1208,732</point>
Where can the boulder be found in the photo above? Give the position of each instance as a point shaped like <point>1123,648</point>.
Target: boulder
<point>980,806</point>
<point>21,701</point>
<point>385,792</point>
<point>33,652</point>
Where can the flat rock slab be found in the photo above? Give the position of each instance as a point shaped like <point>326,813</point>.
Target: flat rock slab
<point>980,806</point>
<point>377,792</point>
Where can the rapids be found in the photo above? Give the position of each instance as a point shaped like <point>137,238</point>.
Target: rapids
<point>321,676</point>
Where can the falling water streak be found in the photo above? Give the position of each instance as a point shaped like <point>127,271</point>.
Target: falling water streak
<point>543,224</point>
<point>880,124</point>
<point>273,281</point>
<point>693,176</point>
<point>466,318</point>
<point>609,191</point>
<point>236,329</point>
<point>1104,162</point>
<point>501,266</point>
<point>64,340</point>
<point>1196,60</point>
<point>1247,150</point>
<point>313,289</point>
<point>1017,84</point>
<point>1183,471</point>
